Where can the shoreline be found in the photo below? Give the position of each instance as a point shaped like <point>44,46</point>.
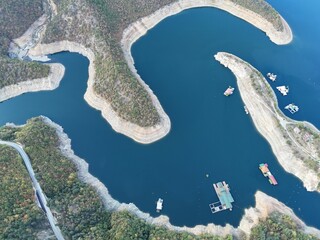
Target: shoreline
<point>265,204</point>
<point>269,122</point>
<point>131,34</point>
<point>143,135</point>
<point>40,84</point>
<point>139,28</point>
<point>114,205</point>
<point>135,132</point>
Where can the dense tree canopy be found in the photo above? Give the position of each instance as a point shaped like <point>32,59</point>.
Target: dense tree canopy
<point>16,16</point>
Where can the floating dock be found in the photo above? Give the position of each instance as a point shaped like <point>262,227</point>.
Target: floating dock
<point>265,171</point>
<point>292,108</point>
<point>159,204</point>
<point>284,90</point>
<point>272,76</point>
<point>225,198</point>
<point>229,91</point>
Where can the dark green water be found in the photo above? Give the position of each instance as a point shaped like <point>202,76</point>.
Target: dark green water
<point>210,133</point>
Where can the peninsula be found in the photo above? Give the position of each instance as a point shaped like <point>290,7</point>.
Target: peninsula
<point>296,154</point>
<point>114,87</point>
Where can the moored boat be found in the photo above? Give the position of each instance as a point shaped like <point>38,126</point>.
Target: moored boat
<point>159,204</point>
<point>266,172</point>
<point>284,90</point>
<point>229,91</point>
<point>272,76</point>
<point>292,108</point>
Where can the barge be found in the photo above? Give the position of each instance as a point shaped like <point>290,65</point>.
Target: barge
<point>225,198</point>
<point>266,172</point>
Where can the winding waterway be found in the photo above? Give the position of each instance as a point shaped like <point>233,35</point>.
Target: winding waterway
<point>210,133</point>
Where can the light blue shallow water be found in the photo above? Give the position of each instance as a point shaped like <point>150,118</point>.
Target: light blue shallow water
<point>210,133</point>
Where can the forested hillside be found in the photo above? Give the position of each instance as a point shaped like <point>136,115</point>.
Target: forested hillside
<point>278,226</point>
<point>20,217</point>
<point>16,16</point>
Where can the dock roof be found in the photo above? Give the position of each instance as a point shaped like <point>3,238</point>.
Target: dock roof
<point>224,195</point>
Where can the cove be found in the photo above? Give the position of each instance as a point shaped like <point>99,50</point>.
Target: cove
<point>210,133</point>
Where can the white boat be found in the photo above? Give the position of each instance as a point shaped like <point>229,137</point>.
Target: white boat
<point>159,204</point>
<point>272,76</point>
<point>284,90</point>
<point>292,108</point>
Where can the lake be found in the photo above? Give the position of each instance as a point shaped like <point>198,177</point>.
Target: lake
<point>211,134</point>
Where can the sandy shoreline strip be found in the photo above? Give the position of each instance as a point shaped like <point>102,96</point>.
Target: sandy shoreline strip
<point>265,204</point>
<point>267,121</point>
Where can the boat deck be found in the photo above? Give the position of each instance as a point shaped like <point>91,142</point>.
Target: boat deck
<point>272,76</point>
<point>292,108</point>
<point>159,204</point>
<point>225,198</point>
<point>229,91</point>
<point>283,90</point>
<point>266,172</point>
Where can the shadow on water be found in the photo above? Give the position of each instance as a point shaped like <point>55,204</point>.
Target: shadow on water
<point>210,133</point>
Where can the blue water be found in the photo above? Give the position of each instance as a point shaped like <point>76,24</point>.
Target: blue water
<point>210,133</point>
